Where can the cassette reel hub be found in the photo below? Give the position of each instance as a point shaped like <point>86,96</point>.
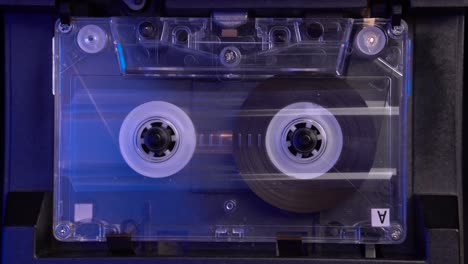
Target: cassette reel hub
<point>304,140</point>
<point>300,150</point>
<point>157,140</point>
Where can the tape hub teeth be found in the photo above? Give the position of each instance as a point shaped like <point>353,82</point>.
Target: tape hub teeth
<point>157,140</point>
<point>304,140</point>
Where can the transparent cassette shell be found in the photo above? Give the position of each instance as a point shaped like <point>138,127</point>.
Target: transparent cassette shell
<point>299,129</point>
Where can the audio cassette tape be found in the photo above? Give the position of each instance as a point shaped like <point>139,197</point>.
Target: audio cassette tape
<point>231,130</point>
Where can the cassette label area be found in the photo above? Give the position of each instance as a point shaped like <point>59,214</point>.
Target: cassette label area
<point>192,129</point>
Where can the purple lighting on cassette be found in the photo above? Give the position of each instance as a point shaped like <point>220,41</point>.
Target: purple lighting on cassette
<point>230,130</point>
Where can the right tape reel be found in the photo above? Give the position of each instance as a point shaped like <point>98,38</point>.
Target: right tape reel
<point>293,133</point>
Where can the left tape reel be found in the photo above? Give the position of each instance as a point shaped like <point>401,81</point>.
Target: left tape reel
<point>157,139</point>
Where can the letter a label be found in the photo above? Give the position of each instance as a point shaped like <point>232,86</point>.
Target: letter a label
<point>380,217</point>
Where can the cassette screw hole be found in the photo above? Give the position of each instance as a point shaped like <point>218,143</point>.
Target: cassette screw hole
<point>230,56</point>
<point>64,28</point>
<point>398,30</point>
<point>396,233</point>
<point>314,30</point>
<point>147,30</point>
<point>229,205</point>
<point>63,231</point>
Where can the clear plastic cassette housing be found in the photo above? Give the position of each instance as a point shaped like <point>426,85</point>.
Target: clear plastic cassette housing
<point>231,130</point>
